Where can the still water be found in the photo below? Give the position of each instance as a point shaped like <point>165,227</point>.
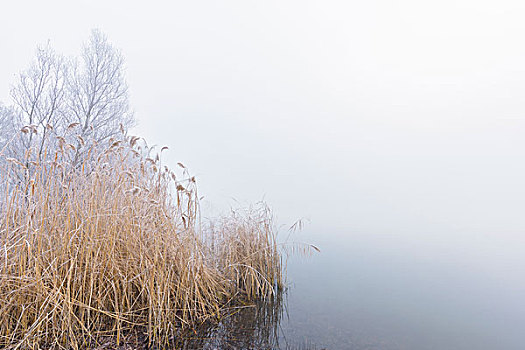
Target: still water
<point>424,290</point>
<point>378,290</point>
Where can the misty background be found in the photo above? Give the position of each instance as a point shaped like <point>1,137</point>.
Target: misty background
<point>379,117</point>
<point>372,116</point>
<point>395,128</point>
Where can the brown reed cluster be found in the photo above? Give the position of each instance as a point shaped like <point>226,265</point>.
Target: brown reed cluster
<point>108,242</point>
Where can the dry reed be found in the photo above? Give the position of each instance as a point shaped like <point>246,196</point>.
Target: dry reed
<point>111,244</point>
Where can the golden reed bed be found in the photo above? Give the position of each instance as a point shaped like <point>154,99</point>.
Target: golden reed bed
<point>109,242</point>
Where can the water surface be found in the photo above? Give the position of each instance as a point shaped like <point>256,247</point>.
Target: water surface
<point>407,290</point>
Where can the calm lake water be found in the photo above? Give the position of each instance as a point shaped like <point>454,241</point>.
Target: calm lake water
<point>408,290</point>
<point>391,291</point>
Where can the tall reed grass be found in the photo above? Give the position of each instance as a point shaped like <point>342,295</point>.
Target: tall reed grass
<point>112,244</point>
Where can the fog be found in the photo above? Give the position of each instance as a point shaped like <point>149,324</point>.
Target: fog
<point>398,121</point>
<point>375,115</point>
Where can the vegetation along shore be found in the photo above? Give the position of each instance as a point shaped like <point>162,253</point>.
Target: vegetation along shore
<point>99,239</point>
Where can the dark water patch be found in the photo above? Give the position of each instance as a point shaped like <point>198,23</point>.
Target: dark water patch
<point>255,326</point>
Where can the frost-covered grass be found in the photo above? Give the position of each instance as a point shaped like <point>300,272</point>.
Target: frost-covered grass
<point>112,243</point>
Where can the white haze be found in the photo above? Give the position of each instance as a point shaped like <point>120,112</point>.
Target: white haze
<point>370,116</point>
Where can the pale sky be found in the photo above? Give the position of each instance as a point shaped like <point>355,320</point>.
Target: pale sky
<point>358,115</point>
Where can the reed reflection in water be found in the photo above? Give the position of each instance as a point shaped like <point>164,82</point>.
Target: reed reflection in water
<point>255,326</point>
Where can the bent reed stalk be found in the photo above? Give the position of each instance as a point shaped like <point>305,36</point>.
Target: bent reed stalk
<point>111,244</point>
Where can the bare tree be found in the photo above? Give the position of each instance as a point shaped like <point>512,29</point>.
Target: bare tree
<point>7,116</point>
<point>97,92</point>
<point>75,102</point>
<point>39,100</point>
